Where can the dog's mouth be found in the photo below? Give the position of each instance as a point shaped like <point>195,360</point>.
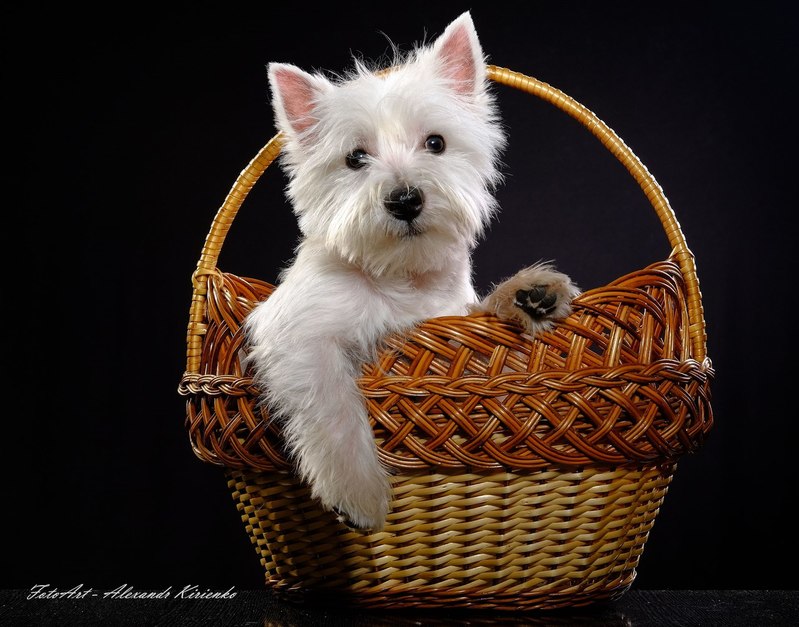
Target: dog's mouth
<point>411,230</point>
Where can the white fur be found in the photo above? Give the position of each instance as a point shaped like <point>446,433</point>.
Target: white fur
<point>360,273</point>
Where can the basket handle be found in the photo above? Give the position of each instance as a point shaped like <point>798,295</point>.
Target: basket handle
<point>250,175</point>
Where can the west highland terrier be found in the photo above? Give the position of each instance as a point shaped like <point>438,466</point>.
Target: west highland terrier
<point>391,177</point>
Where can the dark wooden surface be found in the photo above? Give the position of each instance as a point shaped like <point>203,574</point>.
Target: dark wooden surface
<point>636,608</point>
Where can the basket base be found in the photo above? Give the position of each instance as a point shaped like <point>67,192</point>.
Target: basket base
<point>543,540</point>
<point>432,600</point>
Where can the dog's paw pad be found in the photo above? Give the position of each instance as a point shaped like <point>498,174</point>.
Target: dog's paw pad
<point>535,298</point>
<point>537,302</point>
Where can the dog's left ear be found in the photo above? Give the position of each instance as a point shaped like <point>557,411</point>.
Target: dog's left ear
<point>459,56</point>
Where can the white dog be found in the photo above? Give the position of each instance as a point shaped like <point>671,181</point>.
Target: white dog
<point>391,177</point>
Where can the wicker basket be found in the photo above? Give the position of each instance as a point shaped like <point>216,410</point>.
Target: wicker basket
<point>527,473</point>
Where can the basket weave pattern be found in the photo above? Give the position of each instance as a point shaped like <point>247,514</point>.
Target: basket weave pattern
<point>527,473</point>
<point>611,384</point>
<point>490,541</point>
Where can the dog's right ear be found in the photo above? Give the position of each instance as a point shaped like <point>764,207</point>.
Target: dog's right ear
<point>295,95</point>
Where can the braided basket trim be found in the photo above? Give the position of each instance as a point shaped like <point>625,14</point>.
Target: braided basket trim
<point>612,384</point>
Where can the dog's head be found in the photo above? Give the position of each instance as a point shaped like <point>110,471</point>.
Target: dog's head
<point>393,170</point>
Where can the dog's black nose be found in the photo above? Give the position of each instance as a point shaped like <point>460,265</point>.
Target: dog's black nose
<point>405,203</point>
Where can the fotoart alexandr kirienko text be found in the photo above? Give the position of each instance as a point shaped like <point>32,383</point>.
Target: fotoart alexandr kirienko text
<point>125,591</point>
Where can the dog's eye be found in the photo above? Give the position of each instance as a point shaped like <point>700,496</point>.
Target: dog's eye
<point>434,144</point>
<point>356,159</point>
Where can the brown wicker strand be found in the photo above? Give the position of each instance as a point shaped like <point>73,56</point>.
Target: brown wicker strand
<point>213,246</point>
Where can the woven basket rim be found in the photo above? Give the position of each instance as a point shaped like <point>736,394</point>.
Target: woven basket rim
<point>673,385</point>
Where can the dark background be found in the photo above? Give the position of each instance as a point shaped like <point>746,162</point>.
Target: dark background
<point>127,127</point>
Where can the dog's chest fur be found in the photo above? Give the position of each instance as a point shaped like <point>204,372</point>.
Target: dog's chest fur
<point>324,294</point>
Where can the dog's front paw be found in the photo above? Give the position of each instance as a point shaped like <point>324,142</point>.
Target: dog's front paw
<point>360,521</point>
<point>536,297</point>
<point>354,487</point>
<point>539,301</point>
<point>364,507</point>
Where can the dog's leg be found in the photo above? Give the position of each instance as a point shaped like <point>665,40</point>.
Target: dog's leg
<point>535,297</point>
<point>326,426</point>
